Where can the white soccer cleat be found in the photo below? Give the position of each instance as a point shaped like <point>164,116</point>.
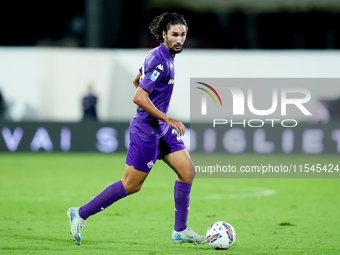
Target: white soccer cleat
<point>187,236</point>
<point>77,224</point>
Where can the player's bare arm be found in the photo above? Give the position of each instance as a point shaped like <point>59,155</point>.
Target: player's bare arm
<point>141,98</point>
<point>137,79</point>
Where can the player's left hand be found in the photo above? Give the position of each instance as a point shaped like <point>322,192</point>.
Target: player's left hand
<point>180,128</point>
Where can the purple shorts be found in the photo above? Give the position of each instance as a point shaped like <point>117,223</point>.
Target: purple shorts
<point>144,152</point>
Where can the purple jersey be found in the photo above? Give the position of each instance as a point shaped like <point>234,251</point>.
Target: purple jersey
<point>157,77</point>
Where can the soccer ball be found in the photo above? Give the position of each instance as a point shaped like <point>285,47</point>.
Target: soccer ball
<point>221,235</point>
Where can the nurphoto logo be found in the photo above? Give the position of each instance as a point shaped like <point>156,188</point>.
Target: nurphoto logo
<point>244,101</point>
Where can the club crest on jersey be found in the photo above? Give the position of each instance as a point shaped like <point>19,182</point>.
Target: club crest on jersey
<point>150,164</point>
<point>154,75</point>
<point>160,67</point>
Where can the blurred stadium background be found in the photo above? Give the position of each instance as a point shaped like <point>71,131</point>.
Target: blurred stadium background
<point>52,51</point>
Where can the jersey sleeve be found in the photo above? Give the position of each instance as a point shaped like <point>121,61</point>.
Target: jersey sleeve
<point>152,76</point>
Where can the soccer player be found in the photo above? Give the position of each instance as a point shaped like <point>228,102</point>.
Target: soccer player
<point>153,135</point>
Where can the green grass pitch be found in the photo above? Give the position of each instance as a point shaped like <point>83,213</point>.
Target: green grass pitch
<point>270,216</point>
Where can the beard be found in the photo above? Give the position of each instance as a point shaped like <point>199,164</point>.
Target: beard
<point>175,51</point>
<point>172,47</point>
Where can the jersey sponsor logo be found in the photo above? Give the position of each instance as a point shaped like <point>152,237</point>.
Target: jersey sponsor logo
<point>150,164</point>
<point>171,81</point>
<point>154,75</point>
<point>160,67</point>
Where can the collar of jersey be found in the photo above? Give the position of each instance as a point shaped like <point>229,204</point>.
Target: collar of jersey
<point>166,51</point>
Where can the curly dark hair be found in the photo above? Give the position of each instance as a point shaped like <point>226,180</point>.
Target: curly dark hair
<point>164,22</point>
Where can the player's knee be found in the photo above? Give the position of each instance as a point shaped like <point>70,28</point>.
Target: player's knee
<point>192,171</point>
<point>185,178</point>
<point>192,174</point>
<point>131,188</point>
<point>189,174</point>
<point>136,188</point>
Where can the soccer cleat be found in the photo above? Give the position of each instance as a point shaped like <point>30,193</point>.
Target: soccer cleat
<point>77,224</point>
<point>187,236</point>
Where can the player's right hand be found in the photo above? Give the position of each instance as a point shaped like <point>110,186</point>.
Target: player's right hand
<point>180,128</point>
